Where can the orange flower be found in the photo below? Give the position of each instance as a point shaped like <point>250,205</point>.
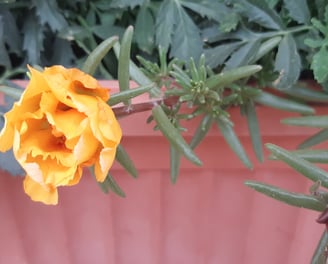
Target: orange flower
<point>61,124</point>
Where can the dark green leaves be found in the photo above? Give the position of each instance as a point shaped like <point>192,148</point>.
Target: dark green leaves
<point>145,29</point>
<point>320,45</point>
<point>258,11</point>
<point>165,22</point>
<point>125,3</point>
<point>288,63</point>
<point>298,10</point>
<point>33,39</point>
<point>48,12</point>
<point>175,27</point>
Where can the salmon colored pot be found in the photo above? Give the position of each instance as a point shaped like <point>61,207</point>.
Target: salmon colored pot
<point>208,216</point>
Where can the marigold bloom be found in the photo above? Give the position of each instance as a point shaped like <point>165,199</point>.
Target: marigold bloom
<point>61,124</point>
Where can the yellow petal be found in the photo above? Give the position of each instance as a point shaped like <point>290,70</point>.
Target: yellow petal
<point>40,193</point>
<point>104,163</point>
<point>107,123</point>
<point>6,136</point>
<point>86,146</point>
<point>76,178</point>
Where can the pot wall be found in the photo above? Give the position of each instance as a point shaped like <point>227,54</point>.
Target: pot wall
<point>209,216</point>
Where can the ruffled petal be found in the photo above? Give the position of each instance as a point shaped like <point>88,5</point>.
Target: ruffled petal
<point>40,193</point>
<point>104,163</point>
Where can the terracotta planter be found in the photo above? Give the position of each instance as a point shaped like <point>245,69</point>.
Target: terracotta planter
<point>209,216</point>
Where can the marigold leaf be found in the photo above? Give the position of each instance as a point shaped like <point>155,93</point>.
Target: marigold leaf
<point>49,13</point>
<point>298,10</point>
<point>258,11</point>
<point>33,39</point>
<point>145,29</point>
<point>319,65</point>
<point>287,63</point>
<point>243,55</point>
<point>125,3</point>
<point>165,22</point>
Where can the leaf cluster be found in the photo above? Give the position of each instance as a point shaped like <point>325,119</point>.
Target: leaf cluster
<point>230,33</point>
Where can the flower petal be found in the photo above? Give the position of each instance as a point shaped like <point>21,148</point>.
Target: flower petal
<point>103,164</point>
<point>40,193</point>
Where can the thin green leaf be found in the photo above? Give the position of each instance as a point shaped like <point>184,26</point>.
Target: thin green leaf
<point>110,184</point>
<point>227,77</point>
<point>233,141</point>
<point>135,73</point>
<point>95,57</point>
<point>12,92</point>
<point>173,135</point>
<point>218,55</point>
<point>283,103</point>
<point>319,255</point>
<point>312,155</point>
<point>307,94</point>
<point>317,138</point>
<point>287,63</point>
<point>201,130</point>
<point>307,121</point>
<point>254,130</point>
<point>243,55</point>
<point>302,166</point>
<point>129,94</point>
<point>123,158</point>
<point>124,61</point>
<point>266,47</point>
<point>291,198</point>
<point>175,157</point>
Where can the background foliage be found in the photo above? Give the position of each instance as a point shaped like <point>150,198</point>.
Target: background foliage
<point>47,32</point>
